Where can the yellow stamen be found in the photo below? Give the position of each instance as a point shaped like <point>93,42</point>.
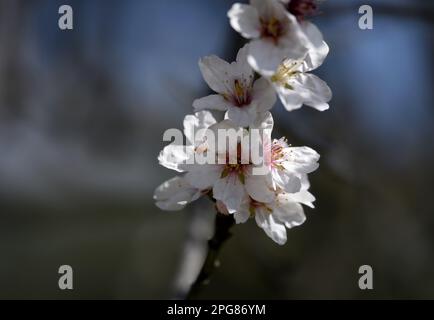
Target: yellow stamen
<point>285,71</point>
<point>239,90</point>
<point>273,27</point>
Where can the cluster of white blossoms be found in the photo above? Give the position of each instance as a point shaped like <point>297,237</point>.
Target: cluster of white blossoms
<point>283,48</point>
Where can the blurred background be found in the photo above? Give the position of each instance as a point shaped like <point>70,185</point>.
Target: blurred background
<point>82,114</point>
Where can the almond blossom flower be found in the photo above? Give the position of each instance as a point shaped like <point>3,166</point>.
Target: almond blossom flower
<point>284,211</point>
<point>317,48</point>
<point>176,193</point>
<point>295,86</point>
<point>289,165</point>
<point>229,181</point>
<point>286,69</point>
<point>274,33</point>
<point>177,156</point>
<point>237,92</point>
<point>236,178</point>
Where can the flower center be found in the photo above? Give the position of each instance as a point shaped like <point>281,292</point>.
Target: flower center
<point>271,28</point>
<point>285,72</point>
<point>238,168</point>
<point>241,94</point>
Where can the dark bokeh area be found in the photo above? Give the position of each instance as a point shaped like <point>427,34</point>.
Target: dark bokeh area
<point>82,114</point>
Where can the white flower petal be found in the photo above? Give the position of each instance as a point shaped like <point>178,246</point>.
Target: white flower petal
<point>266,54</point>
<point>274,229</point>
<point>175,194</point>
<point>230,191</point>
<point>265,57</point>
<point>286,181</point>
<point>305,184</point>
<point>194,123</point>
<point>175,157</point>
<point>295,36</point>
<point>300,160</point>
<point>263,121</point>
<point>269,9</point>
<point>216,73</point>
<point>263,95</point>
<point>288,212</point>
<point>303,197</point>
<point>244,19</point>
<point>259,187</point>
<point>241,69</point>
<point>290,99</point>
<point>243,214</point>
<point>307,89</point>
<point>242,117</point>
<point>317,48</point>
<point>211,102</point>
<point>203,176</point>
<point>315,93</point>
